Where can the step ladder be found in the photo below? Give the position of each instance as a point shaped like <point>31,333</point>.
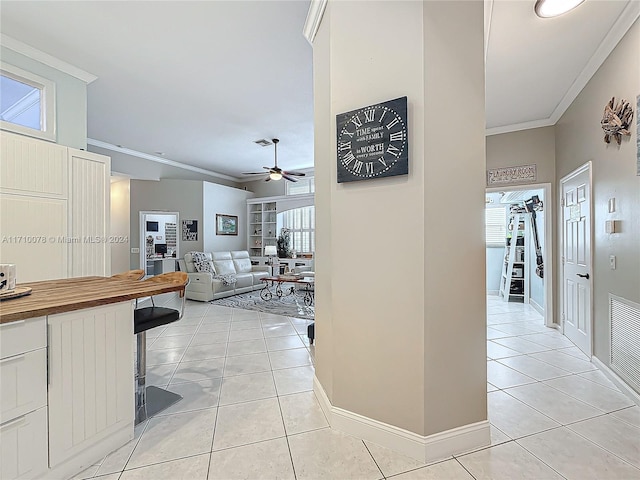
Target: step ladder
<point>515,271</point>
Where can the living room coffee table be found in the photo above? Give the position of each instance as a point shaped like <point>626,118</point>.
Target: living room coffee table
<point>307,284</point>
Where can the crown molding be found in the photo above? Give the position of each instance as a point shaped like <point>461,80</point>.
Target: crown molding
<point>314,17</point>
<point>488,16</point>
<point>619,29</point>
<point>39,56</point>
<point>516,127</point>
<point>153,158</point>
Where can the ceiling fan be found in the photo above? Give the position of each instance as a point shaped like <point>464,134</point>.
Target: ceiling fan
<point>275,172</point>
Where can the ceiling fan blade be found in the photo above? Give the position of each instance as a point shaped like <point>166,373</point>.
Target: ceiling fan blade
<point>298,174</point>
<point>268,179</point>
<point>268,168</point>
<point>253,173</point>
<point>291,179</point>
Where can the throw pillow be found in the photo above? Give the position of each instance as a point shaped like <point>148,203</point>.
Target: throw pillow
<point>202,263</point>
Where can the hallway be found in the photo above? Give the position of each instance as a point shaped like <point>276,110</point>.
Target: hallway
<point>249,410</point>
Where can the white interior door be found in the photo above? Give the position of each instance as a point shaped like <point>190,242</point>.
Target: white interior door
<point>576,258</point>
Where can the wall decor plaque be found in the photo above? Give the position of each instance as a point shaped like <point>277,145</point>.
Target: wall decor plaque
<point>506,175</point>
<point>372,141</point>
<point>189,230</point>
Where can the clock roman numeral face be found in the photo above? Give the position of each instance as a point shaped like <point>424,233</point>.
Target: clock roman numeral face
<point>372,141</point>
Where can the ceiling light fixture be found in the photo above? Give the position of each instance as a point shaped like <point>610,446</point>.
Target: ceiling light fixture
<point>554,8</point>
<point>275,172</point>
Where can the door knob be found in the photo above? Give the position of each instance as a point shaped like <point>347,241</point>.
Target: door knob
<point>586,275</point>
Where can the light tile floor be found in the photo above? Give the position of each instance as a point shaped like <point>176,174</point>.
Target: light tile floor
<point>249,410</point>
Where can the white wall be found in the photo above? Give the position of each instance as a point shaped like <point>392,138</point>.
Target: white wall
<point>120,226</point>
<point>219,199</point>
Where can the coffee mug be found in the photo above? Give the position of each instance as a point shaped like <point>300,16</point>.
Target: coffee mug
<point>7,277</point>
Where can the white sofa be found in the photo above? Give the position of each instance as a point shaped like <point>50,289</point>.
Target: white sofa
<point>203,287</point>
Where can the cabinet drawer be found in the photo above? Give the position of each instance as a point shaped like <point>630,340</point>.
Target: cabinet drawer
<point>23,446</point>
<point>23,384</point>
<point>22,336</point>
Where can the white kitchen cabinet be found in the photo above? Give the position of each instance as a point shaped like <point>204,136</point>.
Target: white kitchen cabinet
<point>23,446</point>
<point>23,398</point>
<point>91,382</point>
<point>89,192</point>
<point>24,383</point>
<point>55,209</point>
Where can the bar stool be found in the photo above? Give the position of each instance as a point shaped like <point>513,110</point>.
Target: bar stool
<point>151,400</point>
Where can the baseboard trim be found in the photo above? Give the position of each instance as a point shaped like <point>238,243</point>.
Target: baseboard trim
<point>493,292</point>
<point>536,306</point>
<point>91,455</point>
<point>425,449</point>
<point>620,383</point>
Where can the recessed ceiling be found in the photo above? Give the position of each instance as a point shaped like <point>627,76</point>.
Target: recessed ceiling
<point>201,81</point>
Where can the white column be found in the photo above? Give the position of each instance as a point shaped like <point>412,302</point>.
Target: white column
<point>400,277</point>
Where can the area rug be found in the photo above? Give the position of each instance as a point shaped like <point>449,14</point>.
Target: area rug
<point>289,305</point>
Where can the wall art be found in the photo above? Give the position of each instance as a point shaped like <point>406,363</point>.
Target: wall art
<point>189,230</point>
<point>506,175</point>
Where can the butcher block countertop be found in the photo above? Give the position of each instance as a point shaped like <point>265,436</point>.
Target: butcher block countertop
<point>66,295</point>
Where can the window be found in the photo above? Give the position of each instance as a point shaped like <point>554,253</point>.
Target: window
<point>302,186</point>
<point>496,226</point>
<point>26,103</point>
<point>301,222</point>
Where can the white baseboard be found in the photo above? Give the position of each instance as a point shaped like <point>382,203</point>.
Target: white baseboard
<point>536,307</point>
<point>91,455</point>
<point>493,292</point>
<point>424,449</point>
<point>620,383</point>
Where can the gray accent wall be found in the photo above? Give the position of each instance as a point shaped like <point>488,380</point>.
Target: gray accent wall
<point>183,196</point>
<point>579,139</point>
<point>193,200</point>
<point>71,98</point>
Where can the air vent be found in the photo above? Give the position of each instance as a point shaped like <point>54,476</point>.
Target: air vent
<point>263,142</point>
<point>624,318</point>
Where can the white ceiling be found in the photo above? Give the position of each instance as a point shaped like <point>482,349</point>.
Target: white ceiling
<point>200,81</point>
<point>536,67</point>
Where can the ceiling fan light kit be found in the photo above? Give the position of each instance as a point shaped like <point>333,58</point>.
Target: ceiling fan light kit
<point>275,172</point>
<point>554,8</point>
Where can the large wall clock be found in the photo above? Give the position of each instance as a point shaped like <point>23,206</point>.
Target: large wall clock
<point>372,141</point>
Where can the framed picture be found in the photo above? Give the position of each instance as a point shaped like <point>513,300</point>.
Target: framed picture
<point>226,224</point>
<point>189,230</point>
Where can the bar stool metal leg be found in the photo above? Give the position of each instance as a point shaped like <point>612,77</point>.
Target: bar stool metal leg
<point>149,400</point>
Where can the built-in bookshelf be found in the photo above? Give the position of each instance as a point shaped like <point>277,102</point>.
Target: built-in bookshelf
<point>262,228</point>
<point>171,237</point>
